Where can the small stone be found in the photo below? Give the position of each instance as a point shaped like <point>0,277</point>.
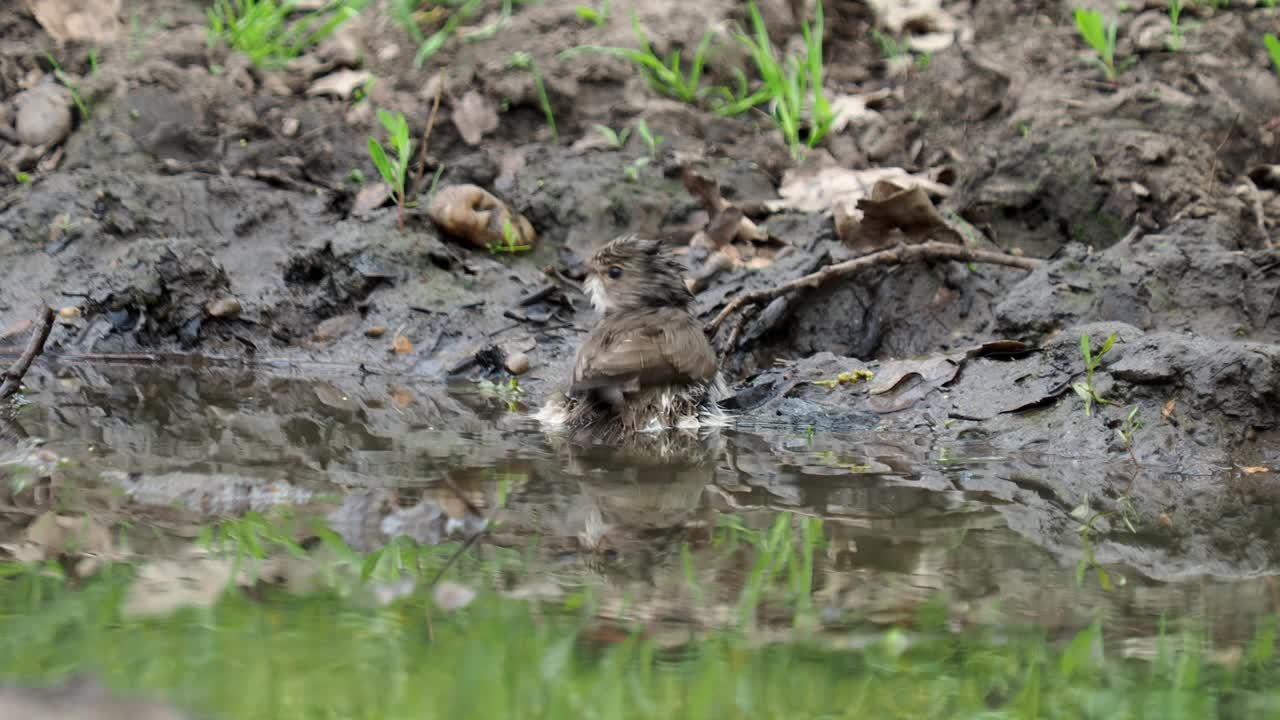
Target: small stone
<point>289,126</point>
<point>223,307</point>
<point>517,363</point>
<point>69,312</point>
<point>43,115</point>
<point>376,331</point>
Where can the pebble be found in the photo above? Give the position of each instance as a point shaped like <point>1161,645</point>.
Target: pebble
<point>517,363</point>
<point>223,307</point>
<point>376,331</point>
<point>43,115</point>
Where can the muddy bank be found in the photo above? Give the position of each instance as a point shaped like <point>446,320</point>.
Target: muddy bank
<point>211,208</point>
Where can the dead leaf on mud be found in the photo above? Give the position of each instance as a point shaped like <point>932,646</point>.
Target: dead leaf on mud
<point>930,373</point>
<point>335,327</point>
<point>728,223</point>
<point>893,214</point>
<point>472,214</point>
<point>371,197</point>
<point>163,586</point>
<point>96,22</point>
<point>18,329</point>
<point>475,116</point>
<point>340,84</point>
<point>376,331</point>
<point>929,28</point>
<point>1254,469</point>
<point>855,110</point>
<point>820,186</point>
<point>401,345</point>
<point>1167,411</point>
<point>453,596</point>
<point>59,534</point>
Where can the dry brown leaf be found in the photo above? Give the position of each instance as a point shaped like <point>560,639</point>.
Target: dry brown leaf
<point>472,214</point>
<point>475,116</point>
<point>401,397</point>
<point>855,110</point>
<point>929,28</point>
<point>371,197</point>
<point>401,345</point>
<point>335,327</point>
<point>376,331</point>
<point>1254,469</point>
<point>96,22</point>
<point>340,84</point>
<point>453,596</point>
<point>1167,410</point>
<point>820,186</point>
<point>894,214</point>
<point>162,586</point>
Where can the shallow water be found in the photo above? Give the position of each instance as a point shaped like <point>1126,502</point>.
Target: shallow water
<point>889,529</point>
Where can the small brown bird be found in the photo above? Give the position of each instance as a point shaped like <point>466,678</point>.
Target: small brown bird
<point>646,366</point>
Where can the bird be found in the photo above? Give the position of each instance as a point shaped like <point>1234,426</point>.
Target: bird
<point>646,366</point>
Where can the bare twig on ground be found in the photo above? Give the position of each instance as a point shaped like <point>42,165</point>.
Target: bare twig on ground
<point>39,334</point>
<point>901,254</point>
<point>426,141</point>
<point>1255,202</point>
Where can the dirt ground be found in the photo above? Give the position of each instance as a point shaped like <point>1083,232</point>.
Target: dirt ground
<point>208,206</point>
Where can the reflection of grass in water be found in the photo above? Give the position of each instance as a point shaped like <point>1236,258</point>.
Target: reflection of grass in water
<point>321,655</point>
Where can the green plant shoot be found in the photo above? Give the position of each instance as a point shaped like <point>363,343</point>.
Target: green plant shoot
<point>1085,390</point>
<point>1101,36</point>
<point>394,171</point>
<point>1273,49</point>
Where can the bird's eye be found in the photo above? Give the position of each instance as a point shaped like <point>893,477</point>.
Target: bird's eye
<point>615,272</point>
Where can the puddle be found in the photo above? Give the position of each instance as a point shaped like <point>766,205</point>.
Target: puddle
<point>903,523</point>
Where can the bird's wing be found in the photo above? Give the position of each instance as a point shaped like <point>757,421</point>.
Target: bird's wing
<point>644,354</point>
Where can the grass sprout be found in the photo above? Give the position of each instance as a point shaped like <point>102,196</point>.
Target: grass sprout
<point>521,60</point>
<point>1273,49</point>
<point>394,169</point>
<point>72,87</point>
<point>1101,36</point>
<point>598,15</point>
<point>792,85</point>
<point>651,141</point>
<point>1176,30</point>
<point>1085,390</point>
<point>666,76</point>
<point>510,242</point>
<point>262,30</point>
<point>615,138</point>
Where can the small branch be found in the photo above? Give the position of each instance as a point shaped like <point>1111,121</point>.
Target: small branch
<point>13,376</point>
<point>898,255</point>
<point>426,140</point>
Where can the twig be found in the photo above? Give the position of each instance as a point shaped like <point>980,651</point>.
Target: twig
<point>13,376</point>
<point>898,255</point>
<point>426,139</point>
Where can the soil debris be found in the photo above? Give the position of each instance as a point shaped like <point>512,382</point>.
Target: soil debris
<point>473,215</point>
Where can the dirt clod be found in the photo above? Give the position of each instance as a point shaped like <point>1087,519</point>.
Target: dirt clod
<point>472,214</point>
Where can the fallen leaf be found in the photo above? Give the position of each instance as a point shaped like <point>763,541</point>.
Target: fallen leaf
<point>19,328</point>
<point>401,398</point>
<point>453,596</point>
<point>928,27</point>
<point>893,214</point>
<point>96,22</point>
<point>335,327</point>
<point>1167,411</point>
<point>376,331</point>
<point>162,586</point>
<point>371,197</point>
<point>819,186</point>
<point>475,116</point>
<point>472,214</point>
<point>855,110</point>
<point>340,84</point>
<point>401,345</point>
<point>1254,469</point>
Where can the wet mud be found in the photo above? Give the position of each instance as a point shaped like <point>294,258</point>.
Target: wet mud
<point>205,218</point>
